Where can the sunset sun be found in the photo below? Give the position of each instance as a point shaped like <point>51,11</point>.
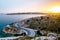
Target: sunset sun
<point>55,9</point>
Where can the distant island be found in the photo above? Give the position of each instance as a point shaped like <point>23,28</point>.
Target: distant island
<point>24,13</point>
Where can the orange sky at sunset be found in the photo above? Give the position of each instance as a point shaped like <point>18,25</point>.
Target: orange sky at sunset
<point>51,5</point>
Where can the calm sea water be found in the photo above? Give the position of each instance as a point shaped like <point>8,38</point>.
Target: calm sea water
<point>8,19</point>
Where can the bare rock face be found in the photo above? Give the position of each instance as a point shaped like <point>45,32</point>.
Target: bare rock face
<point>9,29</point>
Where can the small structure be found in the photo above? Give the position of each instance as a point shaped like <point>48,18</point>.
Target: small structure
<point>43,32</point>
<point>58,35</point>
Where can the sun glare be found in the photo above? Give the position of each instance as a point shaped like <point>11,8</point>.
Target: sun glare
<point>54,9</point>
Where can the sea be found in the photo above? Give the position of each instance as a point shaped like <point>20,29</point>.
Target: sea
<point>8,19</point>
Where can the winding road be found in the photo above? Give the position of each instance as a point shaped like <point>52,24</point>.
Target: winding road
<point>29,32</point>
<point>10,38</point>
<point>8,19</point>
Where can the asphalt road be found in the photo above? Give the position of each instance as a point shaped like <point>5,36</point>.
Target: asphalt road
<point>29,32</point>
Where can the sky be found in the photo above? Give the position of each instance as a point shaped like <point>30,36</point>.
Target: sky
<point>15,6</point>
